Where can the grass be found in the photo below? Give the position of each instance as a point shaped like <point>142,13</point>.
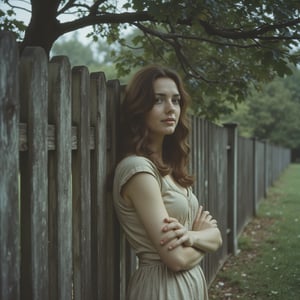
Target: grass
<point>268,264</point>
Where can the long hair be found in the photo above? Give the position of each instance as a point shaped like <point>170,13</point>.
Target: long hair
<point>138,101</point>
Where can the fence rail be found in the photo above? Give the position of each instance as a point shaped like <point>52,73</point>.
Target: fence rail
<point>58,145</point>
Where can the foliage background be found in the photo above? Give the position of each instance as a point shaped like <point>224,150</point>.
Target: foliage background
<point>238,58</point>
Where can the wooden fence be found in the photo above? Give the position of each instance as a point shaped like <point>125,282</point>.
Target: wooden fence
<point>59,235</point>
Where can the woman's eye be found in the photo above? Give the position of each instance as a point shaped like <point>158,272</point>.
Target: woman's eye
<point>176,100</point>
<point>158,100</point>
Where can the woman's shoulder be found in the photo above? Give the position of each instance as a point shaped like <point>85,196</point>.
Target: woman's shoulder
<point>134,164</point>
<point>135,160</point>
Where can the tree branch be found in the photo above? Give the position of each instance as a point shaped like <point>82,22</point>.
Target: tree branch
<point>164,35</point>
<point>19,7</point>
<point>186,66</point>
<point>106,18</point>
<point>95,6</point>
<point>67,6</point>
<point>136,17</point>
<point>240,34</point>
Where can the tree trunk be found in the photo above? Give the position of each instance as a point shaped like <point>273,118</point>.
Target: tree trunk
<point>43,28</point>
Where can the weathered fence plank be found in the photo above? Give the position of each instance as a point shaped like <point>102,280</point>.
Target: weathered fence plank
<point>232,187</point>
<point>217,192</point>
<point>98,185</point>
<point>33,167</point>
<point>260,178</point>
<point>60,181</point>
<point>9,166</point>
<point>268,166</point>
<point>244,183</point>
<point>81,185</point>
<point>113,232</point>
<point>254,166</point>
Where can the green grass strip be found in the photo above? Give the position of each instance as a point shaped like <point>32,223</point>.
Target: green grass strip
<point>268,264</point>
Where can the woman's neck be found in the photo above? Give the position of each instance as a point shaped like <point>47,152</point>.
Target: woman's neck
<point>155,145</point>
<point>157,151</point>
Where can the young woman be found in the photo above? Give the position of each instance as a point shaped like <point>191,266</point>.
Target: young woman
<point>156,207</point>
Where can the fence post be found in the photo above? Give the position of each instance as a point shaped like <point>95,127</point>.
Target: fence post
<point>255,197</point>
<point>266,169</point>
<point>232,187</point>
<point>9,166</point>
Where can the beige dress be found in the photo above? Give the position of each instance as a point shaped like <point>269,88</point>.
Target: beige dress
<point>153,280</point>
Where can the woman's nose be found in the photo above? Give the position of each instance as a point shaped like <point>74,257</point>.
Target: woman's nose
<point>169,105</point>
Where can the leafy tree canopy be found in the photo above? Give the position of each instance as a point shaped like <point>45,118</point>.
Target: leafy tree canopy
<point>219,46</point>
<point>273,112</point>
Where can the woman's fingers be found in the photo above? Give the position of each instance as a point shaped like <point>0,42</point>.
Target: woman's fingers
<point>171,224</point>
<point>184,239</point>
<point>214,222</point>
<point>175,234</point>
<point>203,220</point>
<point>172,234</point>
<point>199,213</point>
<point>173,231</point>
<point>170,220</point>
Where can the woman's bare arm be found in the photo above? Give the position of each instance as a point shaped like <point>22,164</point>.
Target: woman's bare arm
<point>207,240</point>
<point>205,235</point>
<point>143,192</point>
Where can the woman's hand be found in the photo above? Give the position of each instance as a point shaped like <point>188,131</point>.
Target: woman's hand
<point>175,234</point>
<point>204,220</point>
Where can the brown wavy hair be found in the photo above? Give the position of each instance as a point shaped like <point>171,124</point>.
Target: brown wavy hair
<point>138,101</point>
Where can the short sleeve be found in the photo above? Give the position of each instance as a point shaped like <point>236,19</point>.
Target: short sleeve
<point>131,166</point>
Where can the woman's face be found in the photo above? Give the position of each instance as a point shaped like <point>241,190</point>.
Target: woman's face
<point>163,118</point>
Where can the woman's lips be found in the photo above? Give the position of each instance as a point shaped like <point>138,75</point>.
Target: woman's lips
<point>169,121</point>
